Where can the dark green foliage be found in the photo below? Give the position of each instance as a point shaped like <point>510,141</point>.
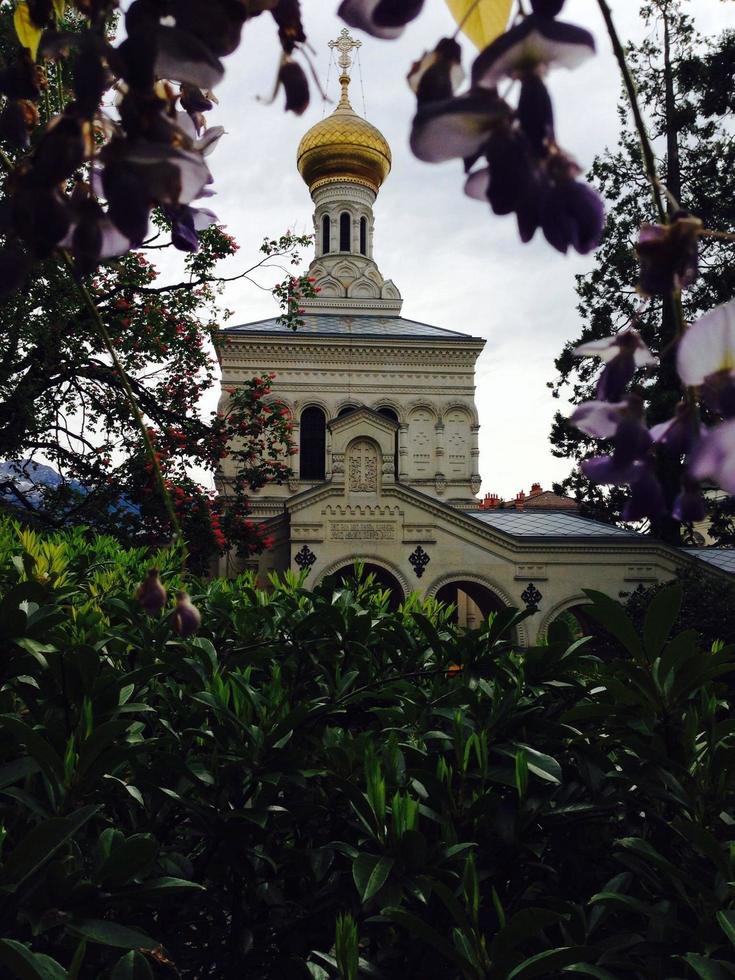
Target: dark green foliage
<point>316,787</point>
<point>707,607</point>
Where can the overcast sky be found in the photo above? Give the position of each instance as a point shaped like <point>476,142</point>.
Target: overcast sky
<point>455,263</point>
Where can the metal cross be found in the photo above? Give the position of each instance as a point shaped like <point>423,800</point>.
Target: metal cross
<point>531,596</point>
<point>345,44</point>
<point>305,558</point>
<point>419,559</point>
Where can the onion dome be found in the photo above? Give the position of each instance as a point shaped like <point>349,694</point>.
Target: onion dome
<point>344,147</point>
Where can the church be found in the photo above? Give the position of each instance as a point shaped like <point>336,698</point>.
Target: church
<point>386,426</point>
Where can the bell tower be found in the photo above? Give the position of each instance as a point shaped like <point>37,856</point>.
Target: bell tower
<point>344,160</point>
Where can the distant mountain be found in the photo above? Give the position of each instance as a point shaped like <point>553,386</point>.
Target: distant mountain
<point>31,477</point>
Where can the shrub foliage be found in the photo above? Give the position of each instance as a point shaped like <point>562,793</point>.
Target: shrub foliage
<point>317,787</point>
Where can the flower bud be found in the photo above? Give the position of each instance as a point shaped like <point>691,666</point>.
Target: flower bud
<point>186,618</point>
<point>151,593</point>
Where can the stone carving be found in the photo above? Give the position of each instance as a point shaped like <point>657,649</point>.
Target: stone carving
<point>531,596</point>
<point>418,560</point>
<point>338,462</point>
<point>388,465</point>
<point>305,558</point>
<point>363,467</point>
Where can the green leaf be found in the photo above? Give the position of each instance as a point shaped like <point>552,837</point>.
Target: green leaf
<point>661,615</point>
<point>370,874</point>
<point>613,617</point>
<point>164,887</point>
<point>727,922</point>
<point>111,934</point>
<point>40,844</point>
<point>27,965</point>
<point>131,858</point>
<point>76,963</point>
<point>546,963</point>
<point>523,925</point>
<point>541,765</point>
<point>709,969</point>
<point>45,755</point>
<point>425,933</point>
<point>590,971</point>
<point>132,966</point>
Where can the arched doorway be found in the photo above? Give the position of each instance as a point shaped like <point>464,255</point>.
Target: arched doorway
<point>473,601</point>
<point>383,578</point>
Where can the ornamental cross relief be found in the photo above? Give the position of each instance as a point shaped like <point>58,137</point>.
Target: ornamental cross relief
<point>363,467</point>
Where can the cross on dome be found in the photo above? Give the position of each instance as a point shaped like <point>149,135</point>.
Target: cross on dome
<point>345,44</point>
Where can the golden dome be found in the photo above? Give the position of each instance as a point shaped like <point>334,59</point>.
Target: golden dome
<point>344,146</point>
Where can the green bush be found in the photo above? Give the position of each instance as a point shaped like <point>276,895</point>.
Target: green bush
<point>316,787</point>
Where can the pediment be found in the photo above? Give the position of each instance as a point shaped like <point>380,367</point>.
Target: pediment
<point>362,420</point>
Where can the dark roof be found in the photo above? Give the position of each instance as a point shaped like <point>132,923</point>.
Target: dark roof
<point>722,558</point>
<point>549,524</point>
<point>339,325</point>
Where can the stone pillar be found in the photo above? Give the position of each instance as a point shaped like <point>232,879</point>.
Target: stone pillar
<point>403,452</point>
<point>439,450</point>
<point>475,479</point>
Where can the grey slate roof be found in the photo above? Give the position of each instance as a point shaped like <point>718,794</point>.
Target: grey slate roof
<point>549,524</point>
<point>338,325</point>
<point>722,558</point>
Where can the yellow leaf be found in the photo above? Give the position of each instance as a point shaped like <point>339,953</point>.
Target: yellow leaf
<point>28,34</point>
<point>486,22</point>
<point>59,6</point>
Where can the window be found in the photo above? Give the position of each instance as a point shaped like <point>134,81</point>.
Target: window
<point>363,236</point>
<point>390,414</point>
<point>313,444</point>
<point>345,232</point>
<point>326,229</point>
<point>347,410</point>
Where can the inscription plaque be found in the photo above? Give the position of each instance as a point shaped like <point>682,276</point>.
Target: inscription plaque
<point>362,531</point>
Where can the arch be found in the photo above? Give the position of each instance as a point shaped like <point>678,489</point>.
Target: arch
<point>363,288</point>
<point>347,409</point>
<point>572,607</point>
<point>326,233</point>
<point>371,561</point>
<point>345,232</point>
<point>312,443</point>
<point>392,414</point>
<point>469,410</point>
<point>331,288</point>
<point>363,235</point>
<point>486,595</point>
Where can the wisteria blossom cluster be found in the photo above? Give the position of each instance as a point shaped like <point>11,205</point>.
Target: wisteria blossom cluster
<point>92,177</point>
<point>510,151</point>
<point>705,361</point>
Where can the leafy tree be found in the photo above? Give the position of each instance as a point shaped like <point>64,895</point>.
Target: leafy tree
<point>62,400</point>
<point>685,84</point>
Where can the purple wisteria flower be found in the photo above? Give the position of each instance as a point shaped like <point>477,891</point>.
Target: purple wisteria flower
<point>667,255</point>
<point>690,505</point>
<point>680,434</point>
<point>534,45</point>
<point>385,19</point>
<point>714,457</point>
<point>706,358</point>
<point>622,354</point>
<point>456,128</point>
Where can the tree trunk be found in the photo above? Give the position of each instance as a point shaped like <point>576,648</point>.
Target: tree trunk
<point>669,469</point>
